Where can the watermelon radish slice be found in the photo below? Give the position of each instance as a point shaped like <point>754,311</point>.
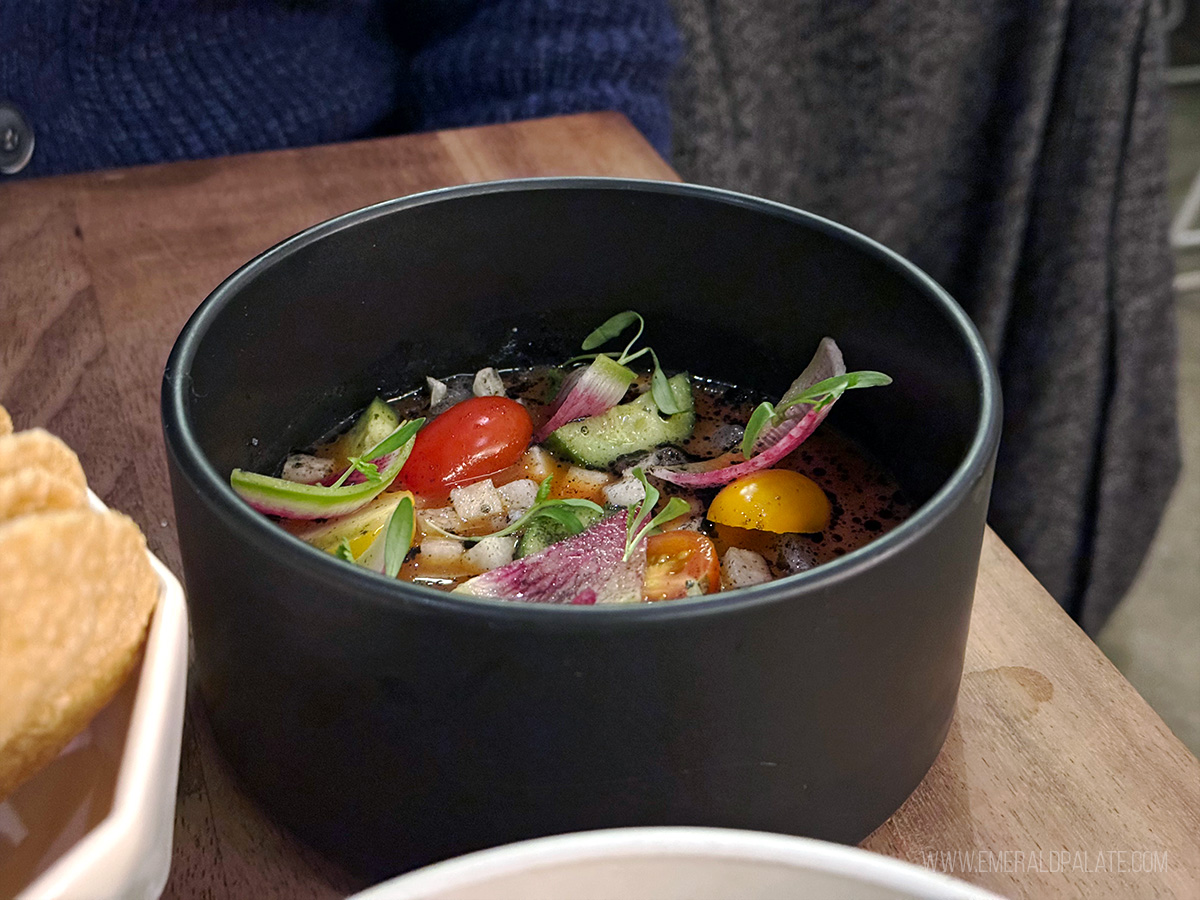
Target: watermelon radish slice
<point>585,569</point>
<point>826,363</point>
<point>800,421</point>
<point>588,391</point>
<point>703,474</point>
<point>291,500</point>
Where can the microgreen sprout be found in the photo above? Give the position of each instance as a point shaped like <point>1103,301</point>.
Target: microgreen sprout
<point>543,491</point>
<point>369,469</point>
<point>561,511</point>
<point>343,552</point>
<point>399,538</point>
<point>398,438</point>
<point>818,396</point>
<point>639,527</point>
<point>660,390</point>
<point>613,327</point>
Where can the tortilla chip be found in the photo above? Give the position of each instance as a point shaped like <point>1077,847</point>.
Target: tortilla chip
<point>77,598</point>
<point>35,490</point>
<point>5,422</point>
<point>39,449</point>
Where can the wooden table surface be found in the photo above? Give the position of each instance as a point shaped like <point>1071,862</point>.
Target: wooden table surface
<point>1057,779</point>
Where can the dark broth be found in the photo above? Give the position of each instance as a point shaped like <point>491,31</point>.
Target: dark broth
<point>866,499</point>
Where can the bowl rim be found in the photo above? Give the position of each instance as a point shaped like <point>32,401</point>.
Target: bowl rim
<point>372,587</point>
<point>470,874</point>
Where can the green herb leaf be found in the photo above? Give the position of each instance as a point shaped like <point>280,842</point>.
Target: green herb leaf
<point>564,516</point>
<point>543,491</point>
<point>818,396</point>
<point>762,414</point>
<point>675,508</point>
<point>369,469</point>
<point>544,507</point>
<point>639,527</point>
<point>611,329</point>
<point>541,509</point>
<point>660,389</point>
<point>643,510</point>
<point>400,530</point>
<point>343,552</point>
<point>398,438</point>
<point>825,392</point>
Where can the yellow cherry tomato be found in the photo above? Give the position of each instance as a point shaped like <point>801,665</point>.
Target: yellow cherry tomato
<point>777,500</point>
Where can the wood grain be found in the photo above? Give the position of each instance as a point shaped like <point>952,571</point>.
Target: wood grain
<point>1052,754</point>
<point>1053,760</point>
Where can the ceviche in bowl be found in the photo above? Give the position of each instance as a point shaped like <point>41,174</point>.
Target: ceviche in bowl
<point>589,482</point>
<point>531,507</point>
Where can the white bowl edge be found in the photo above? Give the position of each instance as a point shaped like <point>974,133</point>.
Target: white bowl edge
<point>127,856</point>
<point>470,875</point>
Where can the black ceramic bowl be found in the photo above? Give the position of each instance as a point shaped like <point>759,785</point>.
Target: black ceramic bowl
<point>391,725</point>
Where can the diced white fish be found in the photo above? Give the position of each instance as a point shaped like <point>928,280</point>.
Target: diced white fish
<point>538,463</point>
<point>626,492</point>
<point>743,568</point>
<point>442,518</point>
<point>488,383</point>
<point>441,551</point>
<point>437,391</point>
<point>518,496</point>
<point>796,554</point>
<point>491,553</point>
<point>304,468</point>
<point>479,505</point>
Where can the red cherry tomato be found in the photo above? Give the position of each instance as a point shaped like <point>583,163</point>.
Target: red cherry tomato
<point>468,442</point>
<point>680,563</point>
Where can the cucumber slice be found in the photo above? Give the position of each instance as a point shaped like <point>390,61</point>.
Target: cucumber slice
<point>376,422</point>
<point>544,531</point>
<point>634,427</point>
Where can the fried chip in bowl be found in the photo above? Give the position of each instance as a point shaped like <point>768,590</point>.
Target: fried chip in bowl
<point>78,594</point>
<point>6,425</point>
<point>39,449</point>
<point>36,490</point>
<point>93,672</point>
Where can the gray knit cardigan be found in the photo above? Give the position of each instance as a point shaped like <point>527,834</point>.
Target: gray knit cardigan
<point>1016,152</point>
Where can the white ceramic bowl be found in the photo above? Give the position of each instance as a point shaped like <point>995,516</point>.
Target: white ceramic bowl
<point>98,821</point>
<point>674,864</point>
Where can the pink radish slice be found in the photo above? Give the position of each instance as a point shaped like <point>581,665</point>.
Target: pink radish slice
<point>773,444</point>
<point>588,391</point>
<point>696,475</point>
<point>827,362</point>
<point>585,569</point>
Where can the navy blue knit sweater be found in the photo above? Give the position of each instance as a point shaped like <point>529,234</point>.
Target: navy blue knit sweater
<point>116,82</point>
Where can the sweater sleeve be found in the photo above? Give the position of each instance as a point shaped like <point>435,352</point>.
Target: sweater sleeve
<point>481,63</point>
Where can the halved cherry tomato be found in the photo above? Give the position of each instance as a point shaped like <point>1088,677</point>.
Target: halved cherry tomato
<point>680,563</point>
<point>468,442</point>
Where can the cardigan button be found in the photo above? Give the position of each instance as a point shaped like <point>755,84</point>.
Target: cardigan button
<point>16,140</point>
